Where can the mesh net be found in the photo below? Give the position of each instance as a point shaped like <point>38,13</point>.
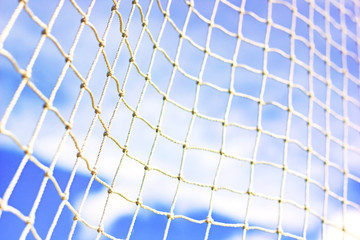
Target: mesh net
<point>180,119</point>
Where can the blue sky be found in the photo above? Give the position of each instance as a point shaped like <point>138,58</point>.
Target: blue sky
<point>325,93</point>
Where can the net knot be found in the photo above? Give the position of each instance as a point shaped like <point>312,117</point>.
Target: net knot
<point>28,152</point>
<point>78,155</point>
<point>164,98</point>
<point>166,14</point>
<point>158,129</point>
<point>124,34</point>
<point>48,173</point>
<point>106,133</point>
<point>132,59</point>
<point>83,85</point>
<point>193,112</point>
<point>184,146</point>
<point>258,129</point>
<point>114,8</point>
<point>179,177</point>
<point>64,197</point>
<point>134,114</point>
<point>29,221</point>
<point>25,75</point>
<point>100,229</point>
<point>68,126</point>
<point>102,44</point>
<point>44,32</point>
<point>83,20</point>
<point>110,191</point>
<point>155,46</point>
<point>134,2</point>
<point>209,220</point>
<point>147,168</point>
<point>248,192</point>
<point>125,150</point>
<point>306,208</point>
<point>97,110</point>
<point>138,202</point>
<point>170,216</point>
<point>213,188</point>
<point>94,172</point>
<point>68,59</point>
<point>47,105</point>
<point>145,23</point>
<point>121,94</point>
<point>147,77</point>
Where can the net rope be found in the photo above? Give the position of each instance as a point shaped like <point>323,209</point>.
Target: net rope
<point>121,81</point>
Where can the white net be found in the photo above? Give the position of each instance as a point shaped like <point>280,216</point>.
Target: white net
<point>166,119</point>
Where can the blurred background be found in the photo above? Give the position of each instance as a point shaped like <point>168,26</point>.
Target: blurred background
<point>179,120</point>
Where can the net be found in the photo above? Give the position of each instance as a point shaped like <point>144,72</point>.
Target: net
<point>169,119</point>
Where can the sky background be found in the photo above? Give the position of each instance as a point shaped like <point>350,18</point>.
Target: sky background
<point>311,66</point>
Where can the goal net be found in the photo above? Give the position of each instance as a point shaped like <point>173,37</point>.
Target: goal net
<point>183,119</point>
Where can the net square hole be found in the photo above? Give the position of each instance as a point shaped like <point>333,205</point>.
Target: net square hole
<point>299,130</point>
<point>240,142</point>
<point>253,29</point>
<point>175,122</point>
<point>206,133</point>
<point>278,65</point>
<point>274,119</point>
<point>212,102</point>
<point>276,91</point>
<point>296,158</point>
<point>281,15</point>
<point>170,40</point>
<point>318,115</point>
<point>226,17</point>
<point>263,212</point>
<point>190,59</point>
<point>318,141</point>
<point>251,55</point>
<point>300,76</point>
<point>200,166</point>
<point>234,174</point>
<point>183,90</point>
<point>243,111</point>
<point>217,72</point>
<point>197,28</point>
<point>222,44</point>
<point>247,82</point>
<point>279,40</point>
<point>300,101</point>
<point>270,149</point>
<point>267,180</point>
